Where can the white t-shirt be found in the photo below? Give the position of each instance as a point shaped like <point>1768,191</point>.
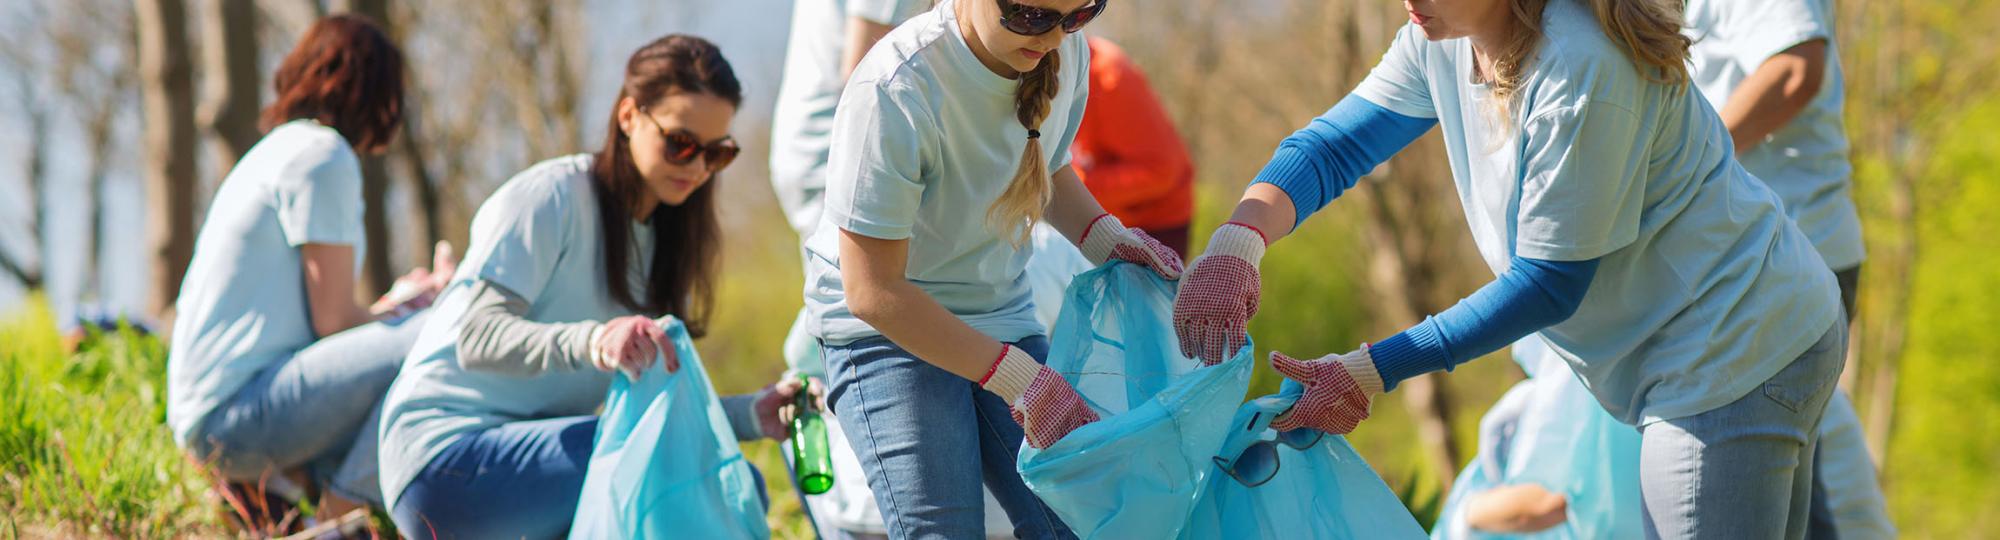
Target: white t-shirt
<point>924,140</point>
<point>243,306</point>
<point>802,124</point>
<point>1805,161</point>
<point>1704,288</point>
<point>539,236</point>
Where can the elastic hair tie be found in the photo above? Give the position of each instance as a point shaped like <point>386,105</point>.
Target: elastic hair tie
<point>1034,134</point>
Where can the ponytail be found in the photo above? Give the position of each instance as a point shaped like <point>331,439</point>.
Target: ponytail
<point>1027,197</point>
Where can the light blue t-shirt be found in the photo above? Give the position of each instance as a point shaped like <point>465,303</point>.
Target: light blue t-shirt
<point>539,237</point>
<point>924,141</point>
<point>802,124</point>
<point>1705,288</point>
<point>1805,161</point>
<point>243,304</point>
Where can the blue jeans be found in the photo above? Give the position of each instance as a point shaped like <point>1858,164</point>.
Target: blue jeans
<point>1744,470</point>
<point>920,430</point>
<point>318,409</point>
<point>518,480</point>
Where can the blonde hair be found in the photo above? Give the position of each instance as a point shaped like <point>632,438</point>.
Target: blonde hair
<point>1027,197</point>
<point>1649,31</point>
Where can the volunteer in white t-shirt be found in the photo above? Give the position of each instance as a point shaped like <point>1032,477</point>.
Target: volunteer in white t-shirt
<point>488,431</point>
<point>950,141</point>
<point>273,369</point>
<point>1604,194</point>
<point>829,38</point>
<point>1772,70</point>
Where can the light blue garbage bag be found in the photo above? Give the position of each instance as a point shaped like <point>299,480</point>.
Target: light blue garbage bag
<point>1137,472</point>
<point>666,463</point>
<point>1549,430</point>
<point>1325,491</point>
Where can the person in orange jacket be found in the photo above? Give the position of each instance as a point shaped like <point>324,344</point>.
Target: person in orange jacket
<point>1128,153</point>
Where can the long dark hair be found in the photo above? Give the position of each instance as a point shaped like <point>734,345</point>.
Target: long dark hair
<point>346,74</point>
<point>686,238</point>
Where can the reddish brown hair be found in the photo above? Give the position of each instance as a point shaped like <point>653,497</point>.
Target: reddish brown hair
<point>346,74</point>
<point>686,238</point>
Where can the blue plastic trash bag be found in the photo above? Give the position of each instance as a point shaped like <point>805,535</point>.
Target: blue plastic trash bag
<point>1324,491</point>
<point>1137,472</point>
<point>1549,430</point>
<point>666,463</point>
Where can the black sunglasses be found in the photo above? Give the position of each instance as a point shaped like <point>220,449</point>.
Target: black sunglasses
<point>682,147</point>
<point>1259,463</point>
<point>1035,21</point>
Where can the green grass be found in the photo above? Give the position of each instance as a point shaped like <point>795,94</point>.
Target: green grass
<point>84,449</point>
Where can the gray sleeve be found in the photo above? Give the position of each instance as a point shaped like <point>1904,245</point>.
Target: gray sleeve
<point>742,413</point>
<point>495,337</point>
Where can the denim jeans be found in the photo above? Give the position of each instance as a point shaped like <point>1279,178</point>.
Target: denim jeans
<point>1744,470</point>
<point>926,438</point>
<point>518,480</point>
<point>318,409</point>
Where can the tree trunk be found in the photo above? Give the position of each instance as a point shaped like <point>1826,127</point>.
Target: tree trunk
<point>170,136</point>
<point>100,132</point>
<point>1404,275</point>
<point>293,16</point>
<point>229,57</point>
<point>377,269</point>
<point>37,173</point>
<point>427,198</point>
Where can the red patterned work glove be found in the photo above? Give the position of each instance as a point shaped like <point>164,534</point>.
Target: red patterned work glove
<point>1042,402</point>
<point>1339,388</point>
<point>1106,238</point>
<point>1218,296</point>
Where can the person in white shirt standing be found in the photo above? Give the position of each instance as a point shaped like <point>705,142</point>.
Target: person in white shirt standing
<point>828,38</point>
<point>1772,71</point>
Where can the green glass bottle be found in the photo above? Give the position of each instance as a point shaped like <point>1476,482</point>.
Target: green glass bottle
<point>812,461</point>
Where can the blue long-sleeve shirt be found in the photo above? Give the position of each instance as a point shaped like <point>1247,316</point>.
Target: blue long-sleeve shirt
<point>1319,162</point>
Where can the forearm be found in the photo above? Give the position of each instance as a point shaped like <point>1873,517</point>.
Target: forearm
<point>329,283</point>
<point>353,315</point>
<point>1774,94</point>
<point>916,322</point>
<point>1268,209</point>
<point>1517,508</point>
<point>495,337</point>
<point>1529,296</point>
<point>1072,208</point>
<point>861,36</point>
<point>1314,165</point>
<point>741,411</point>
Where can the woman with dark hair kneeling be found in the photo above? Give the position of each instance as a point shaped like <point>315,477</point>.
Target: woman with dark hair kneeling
<point>489,430</point>
<point>274,370</point>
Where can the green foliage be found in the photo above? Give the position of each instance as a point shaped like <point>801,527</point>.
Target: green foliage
<point>1945,451</point>
<point>1422,498</point>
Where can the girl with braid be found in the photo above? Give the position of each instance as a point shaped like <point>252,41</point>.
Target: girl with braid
<point>951,140</point>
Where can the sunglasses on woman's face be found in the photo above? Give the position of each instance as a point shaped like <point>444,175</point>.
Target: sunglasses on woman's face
<point>1035,21</point>
<point>682,147</point>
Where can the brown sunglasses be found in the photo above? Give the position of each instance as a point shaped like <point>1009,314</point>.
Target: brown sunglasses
<point>682,147</point>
